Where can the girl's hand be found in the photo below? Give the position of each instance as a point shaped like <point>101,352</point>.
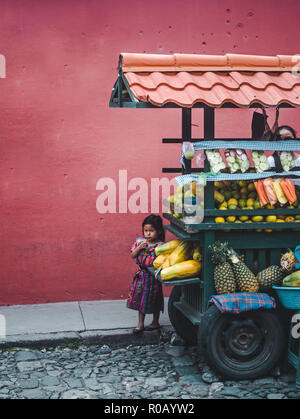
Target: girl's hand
<point>140,247</point>
<point>143,245</point>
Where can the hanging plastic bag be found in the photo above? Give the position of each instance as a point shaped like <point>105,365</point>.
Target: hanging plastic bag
<point>188,150</point>
<point>200,159</point>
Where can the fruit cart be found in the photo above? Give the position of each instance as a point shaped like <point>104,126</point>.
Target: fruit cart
<point>251,344</point>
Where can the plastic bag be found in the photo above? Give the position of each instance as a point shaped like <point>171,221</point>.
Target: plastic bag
<point>260,161</point>
<point>287,160</point>
<point>200,159</point>
<point>215,161</point>
<point>242,160</point>
<point>188,150</point>
<point>232,162</point>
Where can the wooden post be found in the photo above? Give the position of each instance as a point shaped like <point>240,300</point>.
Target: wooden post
<point>186,135</point>
<point>209,203</point>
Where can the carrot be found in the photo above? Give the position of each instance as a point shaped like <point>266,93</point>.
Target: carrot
<point>291,186</point>
<point>287,189</point>
<point>263,198</point>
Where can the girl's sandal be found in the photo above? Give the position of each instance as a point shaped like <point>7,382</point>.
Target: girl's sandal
<point>136,331</point>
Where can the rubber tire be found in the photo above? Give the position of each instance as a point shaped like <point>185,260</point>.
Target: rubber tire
<point>266,356</point>
<point>183,327</point>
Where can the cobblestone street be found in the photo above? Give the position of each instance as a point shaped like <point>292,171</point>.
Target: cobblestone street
<point>156,371</point>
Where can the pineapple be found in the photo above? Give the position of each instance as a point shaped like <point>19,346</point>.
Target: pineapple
<point>224,278</point>
<point>273,275</point>
<point>287,262</point>
<point>246,280</point>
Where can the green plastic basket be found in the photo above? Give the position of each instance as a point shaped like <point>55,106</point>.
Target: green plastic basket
<point>289,297</point>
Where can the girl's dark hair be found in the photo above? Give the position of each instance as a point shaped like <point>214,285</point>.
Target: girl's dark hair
<point>287,127</point>
<point>156,222</point>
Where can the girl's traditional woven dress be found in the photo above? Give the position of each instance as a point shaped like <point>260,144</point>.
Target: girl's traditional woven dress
<point>145,292</point>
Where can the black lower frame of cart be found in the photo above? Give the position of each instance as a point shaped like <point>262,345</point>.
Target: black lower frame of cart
<point>243,346</point>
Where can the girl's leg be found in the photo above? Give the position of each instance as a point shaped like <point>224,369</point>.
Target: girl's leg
<point>141,320</point>
<point>155,322</point>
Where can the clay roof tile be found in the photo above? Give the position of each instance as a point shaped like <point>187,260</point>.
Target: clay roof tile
<point>186,79</point>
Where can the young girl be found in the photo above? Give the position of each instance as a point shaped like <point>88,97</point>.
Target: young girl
<point>145,292</point>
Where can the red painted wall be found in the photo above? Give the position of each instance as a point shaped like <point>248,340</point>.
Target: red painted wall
<point>59,137</point>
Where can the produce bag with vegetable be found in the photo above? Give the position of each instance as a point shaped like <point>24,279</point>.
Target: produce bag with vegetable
<point>232,162</point>
<point>287,160</point>
<point>260,161</point>
<point>188,150</point>
<point>215,161</point>
<point>242,160</point>
<point>268,186</point>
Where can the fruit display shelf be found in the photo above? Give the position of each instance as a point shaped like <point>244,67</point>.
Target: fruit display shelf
<point>174,282</point>
<point>210,225</point>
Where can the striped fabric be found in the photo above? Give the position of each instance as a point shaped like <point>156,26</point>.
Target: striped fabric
<point>242,301</point>
<point>145,292</point>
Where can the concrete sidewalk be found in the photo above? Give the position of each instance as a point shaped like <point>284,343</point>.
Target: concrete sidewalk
<point>102,322</point>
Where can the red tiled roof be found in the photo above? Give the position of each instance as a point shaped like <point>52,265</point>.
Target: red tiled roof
<point>186,79</point>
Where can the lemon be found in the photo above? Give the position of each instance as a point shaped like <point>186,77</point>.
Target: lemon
<point>289,219</point>
<point>271,219</point>
<point>242,203</point>
<point>231,219</point>
<point>250,202</point>
<point>224,204</point>
<point>244,218</point>
<point>242,183</point>
<point>219,184</point>
<point>257,218</point>
<point>219,220</point>
<point>232,201</point>
<point>232,206</point>
<point>251,187</point>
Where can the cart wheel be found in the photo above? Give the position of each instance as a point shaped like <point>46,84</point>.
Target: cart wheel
<point>183,327</point>
<point>242,346</point>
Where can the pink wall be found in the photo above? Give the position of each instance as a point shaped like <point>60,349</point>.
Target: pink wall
<point>58,135</point>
